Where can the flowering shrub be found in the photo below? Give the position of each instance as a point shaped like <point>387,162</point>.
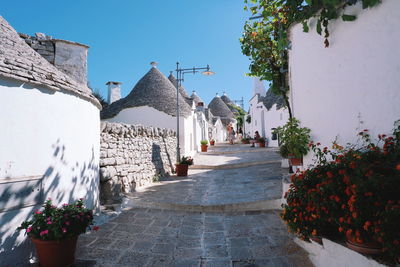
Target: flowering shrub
<point>351,192</point>
<point>186,160</point>
<point>53,223</point>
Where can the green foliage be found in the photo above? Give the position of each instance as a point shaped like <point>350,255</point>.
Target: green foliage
<point>294,139</point>
<point>239,114</point>
<point>186,160</point>
<point>348,17</point>
<point>248,119</point>
<point>204,142</point>
<point>54,223</point>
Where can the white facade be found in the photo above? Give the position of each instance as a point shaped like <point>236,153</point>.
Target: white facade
<point>355,80</point>
<point>219,131</point>
<point>51,139</point>
<point>149,116</point>
<point>263,120</point>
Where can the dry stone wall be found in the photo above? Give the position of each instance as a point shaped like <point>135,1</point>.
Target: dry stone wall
<point>132,156</point>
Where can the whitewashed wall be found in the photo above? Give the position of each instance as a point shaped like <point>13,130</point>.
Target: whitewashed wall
<point>356,78</point>
<point>149,116</point>
<point>273,119</point>
<point>47,135</point>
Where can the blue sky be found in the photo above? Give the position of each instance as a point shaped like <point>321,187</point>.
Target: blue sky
<point>126,35</point>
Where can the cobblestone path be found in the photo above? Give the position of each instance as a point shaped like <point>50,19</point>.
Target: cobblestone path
<point>213,217</point>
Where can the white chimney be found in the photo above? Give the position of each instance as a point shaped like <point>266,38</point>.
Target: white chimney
<point>114,91</point>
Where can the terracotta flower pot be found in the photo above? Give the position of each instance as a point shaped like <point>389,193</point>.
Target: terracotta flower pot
<point>204,148</point>
<point>181,169</point>
<point>212,142</point>
<point>370,248</point>
<point>295,161</point>
<point>261,144</point>
<point>56,253</point>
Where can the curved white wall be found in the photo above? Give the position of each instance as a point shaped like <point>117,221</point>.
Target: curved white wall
<point>48,134</point>
<point>356,79</point>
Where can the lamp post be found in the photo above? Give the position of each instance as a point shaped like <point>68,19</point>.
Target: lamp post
<point>179,79</point>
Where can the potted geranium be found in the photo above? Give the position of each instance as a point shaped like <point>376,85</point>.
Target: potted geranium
<point>212,142</point>
<point>245,140</point>
<point>183,165</point>
<point>55,230</point>
<point>204,146</point>
<point>294,141</point>
<point>261,142</point>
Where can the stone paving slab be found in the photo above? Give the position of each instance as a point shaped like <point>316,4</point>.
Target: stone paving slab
<point>191,239</point>
<point>215,187</point>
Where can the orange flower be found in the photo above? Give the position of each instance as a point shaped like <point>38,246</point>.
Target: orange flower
<point>314,232</point>
<point>398,167</point>
<point>341,219</point>
<point>366,225</point>
<point>354,214</point>
<point>341,229</point>
<point>254,34</point>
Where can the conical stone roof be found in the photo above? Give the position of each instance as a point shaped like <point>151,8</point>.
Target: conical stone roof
<point>182,89</point>
<point>196,98</point>
<point>20,62</point>
<point>153,90</point>
<point>219,108</point>
<point>228,102</point>
<point>270,99</point>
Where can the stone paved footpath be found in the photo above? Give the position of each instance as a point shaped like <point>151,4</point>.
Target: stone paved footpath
<point>222,214</point>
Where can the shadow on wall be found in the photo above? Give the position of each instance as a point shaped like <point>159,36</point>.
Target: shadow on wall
<point>157,160</point>
<point>18,250</point>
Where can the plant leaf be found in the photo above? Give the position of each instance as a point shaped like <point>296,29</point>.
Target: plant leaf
<point>319,27</point>
<point>348,17</point>
<point>305,26</point>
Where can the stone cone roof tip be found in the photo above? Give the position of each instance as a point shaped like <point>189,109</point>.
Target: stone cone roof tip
<point>228,102</point>
<point>182,89</point>
<point>219,108</point>
<point>20,62</point>
<point>196,98</point>
<point>153,90</point>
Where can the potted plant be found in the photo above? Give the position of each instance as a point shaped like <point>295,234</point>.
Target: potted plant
<point>350,193</point>
<point>212,142</point>
<point>55,230</point>
<point>245,140</point>
<point>294,141</point>
<point>261,141</point>
<point>204,146</point>
<point>183,165</point>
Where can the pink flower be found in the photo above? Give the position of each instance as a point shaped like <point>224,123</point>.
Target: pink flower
<point>38,212</point>
<point>49,222</point>
<point>64,230</point>
<point>45,232</point>
<point>67,223</point>
<point>95,228</point>
<point>29,229</point>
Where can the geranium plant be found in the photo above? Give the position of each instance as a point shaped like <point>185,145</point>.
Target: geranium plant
<point>186,160</point>
<point>58,223</point>
<point>351,192</point>
<point>293,139</point>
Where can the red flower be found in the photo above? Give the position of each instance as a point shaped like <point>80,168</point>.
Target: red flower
<point>95,228</point>
<point>329,174</point>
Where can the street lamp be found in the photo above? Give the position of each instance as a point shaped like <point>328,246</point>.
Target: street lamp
<point>179,79</point>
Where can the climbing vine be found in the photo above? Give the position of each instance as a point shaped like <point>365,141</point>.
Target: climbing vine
<point>265,39</point>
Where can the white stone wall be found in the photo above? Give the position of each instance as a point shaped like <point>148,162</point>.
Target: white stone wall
<point>273,119</point>
<point>356,79</point>
<point>50,137</point>
<point>132,156</point>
